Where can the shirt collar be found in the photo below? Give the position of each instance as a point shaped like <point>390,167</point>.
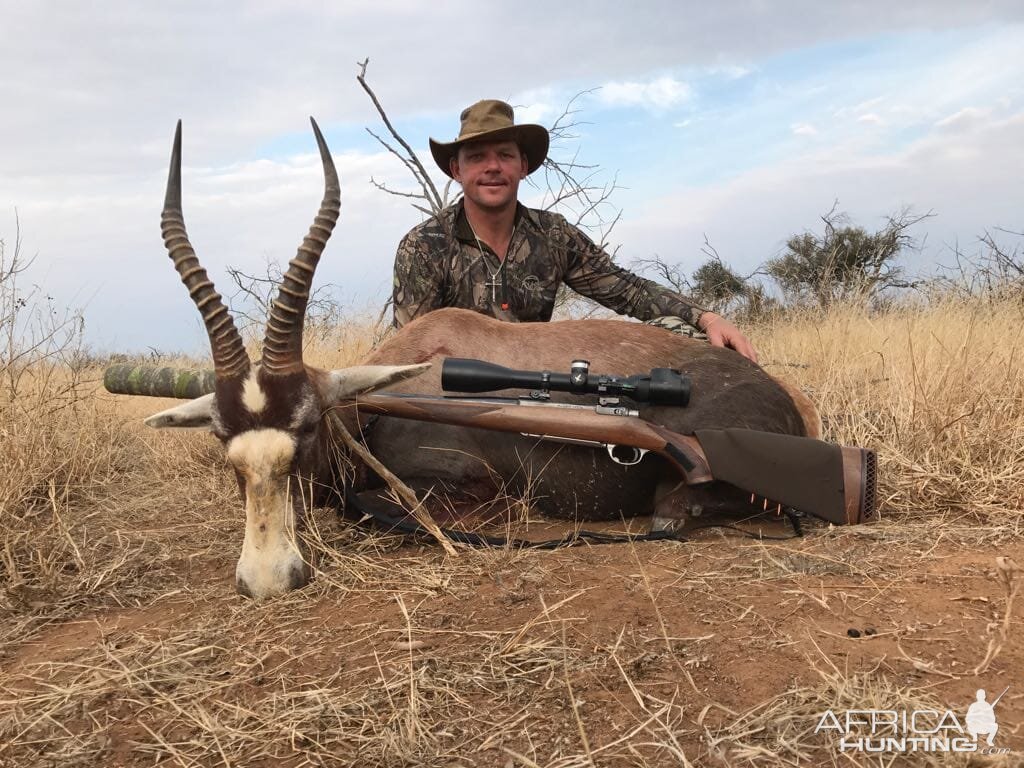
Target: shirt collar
<point>465,233</point>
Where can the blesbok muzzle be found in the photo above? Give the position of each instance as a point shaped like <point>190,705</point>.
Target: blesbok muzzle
<point>272,560</point>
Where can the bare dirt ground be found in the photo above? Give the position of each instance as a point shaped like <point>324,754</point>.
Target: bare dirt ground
<point>723,650</point>
<point>123,643</point>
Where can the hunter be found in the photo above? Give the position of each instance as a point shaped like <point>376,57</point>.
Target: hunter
<point>490,253</point>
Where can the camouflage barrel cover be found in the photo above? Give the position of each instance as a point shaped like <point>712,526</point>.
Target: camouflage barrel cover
<point>158,382</point>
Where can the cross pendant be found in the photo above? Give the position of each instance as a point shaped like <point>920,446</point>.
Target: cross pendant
<point>493,285</point>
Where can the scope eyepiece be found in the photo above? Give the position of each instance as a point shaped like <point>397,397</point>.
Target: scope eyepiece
<point>663,386</point>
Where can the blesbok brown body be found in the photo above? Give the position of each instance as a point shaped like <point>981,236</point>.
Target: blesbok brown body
<point>270,416</point>
<point>565,480</point>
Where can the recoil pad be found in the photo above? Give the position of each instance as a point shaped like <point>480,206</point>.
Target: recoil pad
<point>834,482</point>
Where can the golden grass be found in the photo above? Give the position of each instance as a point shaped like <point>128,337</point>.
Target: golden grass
<point>122,642</point>
<point>937,390</point>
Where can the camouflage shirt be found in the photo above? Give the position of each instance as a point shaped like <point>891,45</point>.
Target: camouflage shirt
<point>439,264</point>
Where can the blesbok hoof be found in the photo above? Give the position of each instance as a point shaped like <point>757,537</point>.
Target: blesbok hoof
<point>242,588</point>
<point>299,577</point>
<point>263,584</point>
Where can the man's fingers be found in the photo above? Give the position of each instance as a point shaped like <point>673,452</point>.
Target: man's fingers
<point>722,333</point>
<point>740,344</point>
<point>744,347</point>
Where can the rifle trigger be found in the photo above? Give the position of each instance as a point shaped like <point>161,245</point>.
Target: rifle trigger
<point>626,455</point>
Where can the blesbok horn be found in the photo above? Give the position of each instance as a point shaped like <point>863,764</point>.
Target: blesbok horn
<point>229,356</point>
<point>282,344</point>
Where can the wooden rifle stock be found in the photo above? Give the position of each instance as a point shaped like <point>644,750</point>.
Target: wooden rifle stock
<point>681,451</point>
<point>833,482</point>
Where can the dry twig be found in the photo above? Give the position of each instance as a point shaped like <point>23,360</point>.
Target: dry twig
<point>1009,575</point>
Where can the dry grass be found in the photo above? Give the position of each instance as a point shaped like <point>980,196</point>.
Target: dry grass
<point>939,391</point>
<point>122,642</point>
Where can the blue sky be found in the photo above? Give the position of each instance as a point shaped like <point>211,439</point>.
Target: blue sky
<point>739,122</point>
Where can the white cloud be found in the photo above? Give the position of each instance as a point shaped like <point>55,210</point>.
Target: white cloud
<point>661,93</point>
<point>803,129</point>
<point>537,105</point>
<point>964,119</point>
<point>537,112</point>
<point>734,72</point>
<point>97,88</point>
<point>860,108</point>
<point>728,71</point>
<point>913,87</point>
<point>749,217</point>
<point>101,246</point>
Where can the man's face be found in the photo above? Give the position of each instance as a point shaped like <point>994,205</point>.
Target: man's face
<point>489,173</point>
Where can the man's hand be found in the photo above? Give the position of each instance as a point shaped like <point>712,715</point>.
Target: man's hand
<point>722,333</point>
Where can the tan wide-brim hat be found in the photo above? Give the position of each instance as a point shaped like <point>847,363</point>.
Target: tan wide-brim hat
<point>493,120</point>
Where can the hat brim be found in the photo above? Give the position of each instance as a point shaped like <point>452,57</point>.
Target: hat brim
<point>532,139</point>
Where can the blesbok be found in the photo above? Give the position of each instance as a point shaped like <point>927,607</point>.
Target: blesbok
<point>270,416</point>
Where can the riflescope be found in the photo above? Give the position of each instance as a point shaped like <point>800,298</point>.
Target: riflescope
<point>662,386</point>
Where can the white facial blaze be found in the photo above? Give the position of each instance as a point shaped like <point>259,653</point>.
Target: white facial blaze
<point>270,559</point>
<point>253,397</point>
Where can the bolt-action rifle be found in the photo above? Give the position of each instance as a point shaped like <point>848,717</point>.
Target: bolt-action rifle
<point>832,482</point>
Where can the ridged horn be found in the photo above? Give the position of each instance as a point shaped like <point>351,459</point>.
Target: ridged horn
<point>282,345</point>
<point>229,356</point>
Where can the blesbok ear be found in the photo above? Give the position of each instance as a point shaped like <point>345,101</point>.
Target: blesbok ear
<point>194,413</point>
<point>346,383</point>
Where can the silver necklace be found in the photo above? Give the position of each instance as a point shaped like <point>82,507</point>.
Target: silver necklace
<point>493,282</point>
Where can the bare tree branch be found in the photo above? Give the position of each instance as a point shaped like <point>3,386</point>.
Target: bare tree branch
<point>437,202</point>
<point>37,337</point>
<point>572,187</point>
<point>410,166</point>
<point>994,272</point>
<point>254,294</point>
<point>397,193</point>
